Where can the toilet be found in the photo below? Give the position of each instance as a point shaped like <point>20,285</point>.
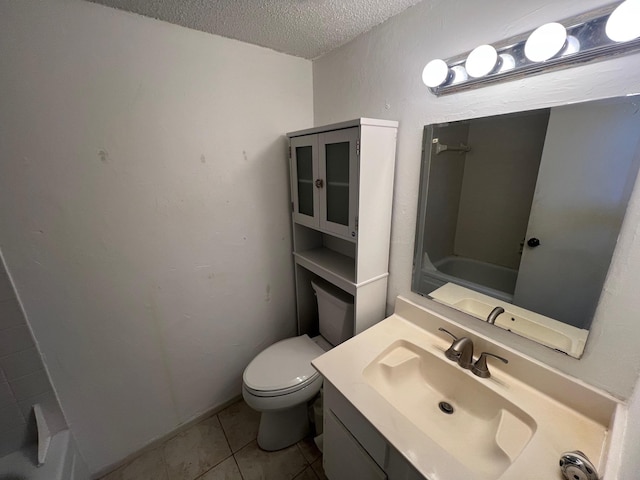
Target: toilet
<point>280,380</point>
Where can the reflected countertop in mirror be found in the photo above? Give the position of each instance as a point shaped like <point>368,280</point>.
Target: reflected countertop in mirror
<point>526,208</point>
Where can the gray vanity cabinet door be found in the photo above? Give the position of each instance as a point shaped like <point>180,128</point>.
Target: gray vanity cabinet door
<point>398,468</point>
<point>344,458</point>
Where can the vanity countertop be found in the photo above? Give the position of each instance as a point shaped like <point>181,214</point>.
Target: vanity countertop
<point>567,414</point>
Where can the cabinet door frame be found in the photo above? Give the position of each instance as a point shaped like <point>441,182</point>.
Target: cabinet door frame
<point>301,218</point>
<point>352,136</point>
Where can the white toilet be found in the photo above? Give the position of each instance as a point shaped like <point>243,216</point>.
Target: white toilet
<point>280,380</point>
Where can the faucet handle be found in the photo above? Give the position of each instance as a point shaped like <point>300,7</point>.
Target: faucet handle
<point>481,369</point>
<point>460,351</point>
<point>451,353</point>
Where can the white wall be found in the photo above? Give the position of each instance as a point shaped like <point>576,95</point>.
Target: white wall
<point>500,174</point>
<point>630,452</point>
<point>578,222</point>
<point>446,174</point>
<point>144,210</point>
<point>379,75</point>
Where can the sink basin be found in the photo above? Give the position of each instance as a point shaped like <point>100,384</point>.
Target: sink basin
<point>484,431</point>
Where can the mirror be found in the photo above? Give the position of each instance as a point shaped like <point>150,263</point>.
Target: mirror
<point>522,212</point>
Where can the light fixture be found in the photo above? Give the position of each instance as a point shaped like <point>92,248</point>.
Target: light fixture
<point>602,33</point>
<point>545,42</point>
<point>435,73</point>
<point>481,61</point>
<point>624,23</point>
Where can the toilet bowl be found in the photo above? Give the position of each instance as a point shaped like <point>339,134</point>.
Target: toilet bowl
<point>280,380</point>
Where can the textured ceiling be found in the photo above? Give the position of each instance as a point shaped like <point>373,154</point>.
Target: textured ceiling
<point>304,28</point>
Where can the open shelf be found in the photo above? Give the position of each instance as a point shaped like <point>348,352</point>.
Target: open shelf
<point>334,267</point>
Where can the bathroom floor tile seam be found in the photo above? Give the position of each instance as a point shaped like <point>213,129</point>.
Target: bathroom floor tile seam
<point>223,447</point>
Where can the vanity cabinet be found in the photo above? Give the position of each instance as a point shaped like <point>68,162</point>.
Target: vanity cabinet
<point>354,449</point>
<point>341,196</point>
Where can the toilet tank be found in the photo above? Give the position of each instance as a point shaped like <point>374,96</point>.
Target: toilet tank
<point>335,312</point>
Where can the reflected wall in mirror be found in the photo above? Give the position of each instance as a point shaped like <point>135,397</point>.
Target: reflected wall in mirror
<point>525,209</point>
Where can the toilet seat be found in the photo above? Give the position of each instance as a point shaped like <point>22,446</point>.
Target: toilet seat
<point>280,392</point>
<point>283,368</point>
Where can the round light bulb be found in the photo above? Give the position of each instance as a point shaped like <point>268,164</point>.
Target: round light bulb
<point>435,73</point>
<point>459,74</point>
<point>572,46</point>
<point>623,24</point>
<point>481,61</point>
<point>507,62</point>
<point>545,42</point>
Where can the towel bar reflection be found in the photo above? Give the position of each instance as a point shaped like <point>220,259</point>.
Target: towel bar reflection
<point>440,147</point>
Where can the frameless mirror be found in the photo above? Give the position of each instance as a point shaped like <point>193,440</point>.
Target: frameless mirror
<point>519,215</point>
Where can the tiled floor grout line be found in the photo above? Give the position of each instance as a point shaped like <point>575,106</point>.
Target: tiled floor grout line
<point>238,465</point>
<point>212,467</point>
<point>305,459</point>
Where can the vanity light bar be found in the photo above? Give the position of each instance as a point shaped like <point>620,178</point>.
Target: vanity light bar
<point>603,33</point>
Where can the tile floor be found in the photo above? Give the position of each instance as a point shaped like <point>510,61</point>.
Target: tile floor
<point>223,447</point>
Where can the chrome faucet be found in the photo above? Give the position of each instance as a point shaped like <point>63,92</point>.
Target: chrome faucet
<point>494,314</point>
<point>460,351</point>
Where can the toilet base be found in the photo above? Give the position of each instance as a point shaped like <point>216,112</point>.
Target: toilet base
<point>282,428</point>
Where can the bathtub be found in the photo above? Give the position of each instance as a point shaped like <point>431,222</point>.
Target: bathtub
<point>493,280</point>
<point>63,462</point>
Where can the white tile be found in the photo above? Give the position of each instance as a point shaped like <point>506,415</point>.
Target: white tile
<point>11,417</point>
<point>21,363</point>
<point>10,314</point>
<point>15,339</point>
<point>31,385</point>
<point>14,438</point>
<point>50,407</point>
<point>6,289</point>
<point>6,395</point>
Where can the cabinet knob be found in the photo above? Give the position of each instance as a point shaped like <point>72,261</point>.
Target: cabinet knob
<point>319,183</point>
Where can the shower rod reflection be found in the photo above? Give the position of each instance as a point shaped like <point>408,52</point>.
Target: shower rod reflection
<point>440,147</point>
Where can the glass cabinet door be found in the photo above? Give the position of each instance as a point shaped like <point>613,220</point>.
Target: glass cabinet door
<point>338,169</point>
<point>304,168</point>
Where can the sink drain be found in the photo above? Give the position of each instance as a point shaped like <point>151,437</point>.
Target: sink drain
<point>446,407</point>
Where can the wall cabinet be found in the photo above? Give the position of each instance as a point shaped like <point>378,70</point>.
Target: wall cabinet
<point>341,196</point>
<point>324,169</point>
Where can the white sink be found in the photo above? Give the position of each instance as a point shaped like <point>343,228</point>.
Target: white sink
<point>514,425</point>
<point>484,431</point>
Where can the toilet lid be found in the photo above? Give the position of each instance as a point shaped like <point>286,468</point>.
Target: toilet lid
<point>283,365</point>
